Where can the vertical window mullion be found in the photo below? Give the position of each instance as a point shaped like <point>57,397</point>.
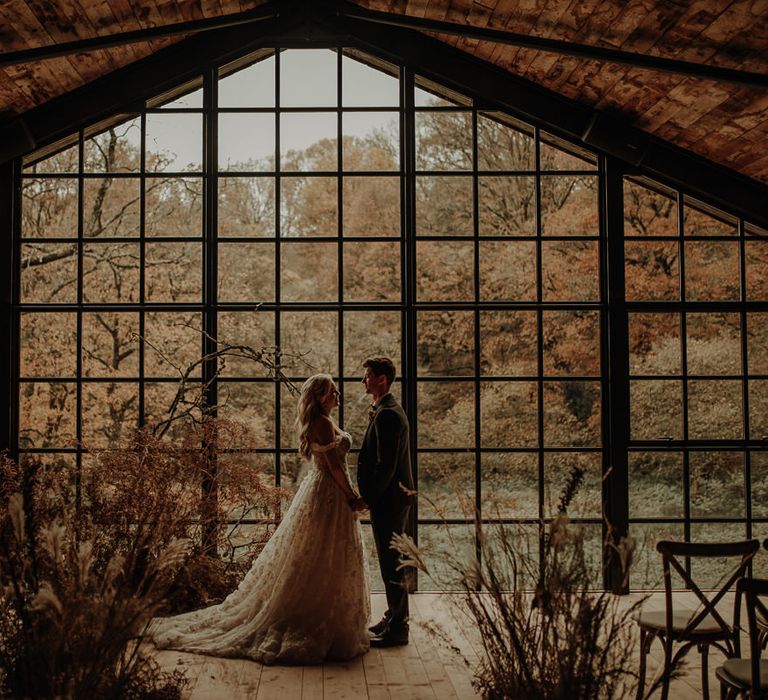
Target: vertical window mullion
<point>278,312</point>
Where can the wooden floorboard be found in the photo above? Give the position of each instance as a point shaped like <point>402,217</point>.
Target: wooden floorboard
<point>425,669</point>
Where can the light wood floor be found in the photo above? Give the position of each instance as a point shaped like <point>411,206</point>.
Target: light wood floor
<point>424,669</point>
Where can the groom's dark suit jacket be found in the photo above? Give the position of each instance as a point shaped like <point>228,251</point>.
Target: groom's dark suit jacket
<point>385,459</point>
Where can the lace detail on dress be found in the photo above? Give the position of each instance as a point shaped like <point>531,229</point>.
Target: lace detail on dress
<point>305,599</point>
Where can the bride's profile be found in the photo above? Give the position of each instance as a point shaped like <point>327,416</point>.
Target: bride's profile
<point>305,599</point>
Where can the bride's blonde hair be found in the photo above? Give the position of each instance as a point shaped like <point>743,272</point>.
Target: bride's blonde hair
<point>310,408</point>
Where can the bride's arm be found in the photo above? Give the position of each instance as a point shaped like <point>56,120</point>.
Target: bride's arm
<point>335,466</point>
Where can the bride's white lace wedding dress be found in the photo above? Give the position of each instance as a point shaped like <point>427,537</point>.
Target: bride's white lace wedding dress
<point>305,599</point>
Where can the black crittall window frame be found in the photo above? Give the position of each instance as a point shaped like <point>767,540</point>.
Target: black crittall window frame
<point>611,304</point>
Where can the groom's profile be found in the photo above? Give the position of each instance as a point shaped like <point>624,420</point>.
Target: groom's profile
<point>384,465</point>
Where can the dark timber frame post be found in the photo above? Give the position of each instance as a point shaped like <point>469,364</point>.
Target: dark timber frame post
<point>9,346</point>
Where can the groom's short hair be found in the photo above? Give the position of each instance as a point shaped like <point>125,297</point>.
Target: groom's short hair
<point>381,365</point>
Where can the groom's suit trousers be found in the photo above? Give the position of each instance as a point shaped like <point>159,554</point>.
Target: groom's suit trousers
<point>385,523</point>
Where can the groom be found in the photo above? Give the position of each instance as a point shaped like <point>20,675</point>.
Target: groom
<point>383,465</point>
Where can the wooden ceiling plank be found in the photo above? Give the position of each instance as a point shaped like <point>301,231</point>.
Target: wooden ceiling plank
<point>106,22</point>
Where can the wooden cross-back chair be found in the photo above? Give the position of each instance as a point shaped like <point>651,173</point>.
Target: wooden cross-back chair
<point>702,627</point>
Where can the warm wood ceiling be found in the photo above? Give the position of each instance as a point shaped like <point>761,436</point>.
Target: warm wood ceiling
<point>723,122</point>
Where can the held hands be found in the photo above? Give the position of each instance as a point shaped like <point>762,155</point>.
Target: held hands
<point>357,504</point>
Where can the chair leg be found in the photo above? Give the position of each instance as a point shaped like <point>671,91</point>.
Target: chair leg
<point>704,649</point>
<point>641,673</point>
<point>667,669</point>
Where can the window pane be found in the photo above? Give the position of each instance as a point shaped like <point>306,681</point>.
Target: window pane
<point>444,206</point>
<point>759,484</point>
<point>711,270</point>
<point>49,208</point>
<point>557,154</point>
<point>507,271</point>
<point>66,160</point>
<point>508,343</point>
<point>571,414</point>
<point>250,404</point>
<point>109,413</point>
<point>509,414</point>
<point>370,334</point>
<point>253,86</point>
<point>246,206</point>
<point>46,414</point>
<point>308,141</point>
<point>443,141</point>
<point>48,345</point>
<point>111,273</point>
<point>649,211</point>
<point>372,272</point>
<point>308,206</point>
<point>717,484</point>
<point>246,141</point>
<point>174,207</point>
<point>371,206</point>
<point>246,272</point>
<point>158,399</point>
<point>110,344</point>
<point>176,343</point>
<point>371,140</point>
<point>646,572</point>
<point>714,410</point>
<point>111,207</point>
<point>757,271</point>
<point>302,280</point>
<point>173,272</point>
<point>656,410</point>
<point>757,342</point>
<point>569,206</point>
<point>656,485</point>
<point>446,414</point>
<point>712,573</point>
<point>652,270</point>
<point>356,404</point>
<point>48,273</point>
<point>429,94</point>
<point>446,487</point>
<point>174,142</point>
<point>702,220</point>
<point>714,343</point>
<point>445,547</point>
<point>570,271</point>
<point>255,329</point>
<point>507,206</point>
<point>444,271</point>
<point>571,342</point>
<point>367,86</point>
<point>654,344</point>
<point>758,409</point>
<point>503,143</point>
<point>587,501</point>
<point>510,484</point>
<point>445,343</point>
<point>308,78</point>
<point>313,334</point>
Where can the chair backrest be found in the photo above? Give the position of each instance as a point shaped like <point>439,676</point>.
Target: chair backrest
<point>752,590</point>
<point>671,555</point>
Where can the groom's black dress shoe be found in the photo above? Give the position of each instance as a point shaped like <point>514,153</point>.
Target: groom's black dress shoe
<point>390,639</point>
<point>380,627</point>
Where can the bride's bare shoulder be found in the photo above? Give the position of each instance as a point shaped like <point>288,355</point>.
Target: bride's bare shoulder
<point>322,431</point>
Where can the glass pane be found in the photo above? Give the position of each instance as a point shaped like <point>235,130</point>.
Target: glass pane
<point>717,484</point>
<point>361,283</point>
<point>714,343</point>
<point>308,141</point>
<point>443,141</point>
<point>646,572</point>
<point>47,414</point>
<point>246,141</point>
<point>557,154</point>
<point>509,414</point>
<point>713,573</point>
<point>654,344</point>
<point>65,160</point>
<point>369,551</point>
<point>364,85</point>
<point>309,206</point>
<point>759,484</point>
<point>758,409</point>
<point>173,342</point>
<point>570,271</point>
<point>652,270</point>
<point>370,334</point>
<point>110,344</point>
<point>111,207</point>
<point>571,414</point>
<point>188,96</point>
<point>711,270</point>
<point>504,143</point>
<point>587,501</point>
<point>445,343</point>
<point>371,206</point>
<point>429,94</point>
<point>510,484</point>
<point>702,220</point>
<point>444,271</point>
<point>48,273</point>
<point>174,207</point>
<point>48,345</point>
<point>49,208</point>
<point>656,409</point>
<point>173,272</point>
<point>757,270</point>
<point>649,211</point>
<point>446,487</point>
<point>116,150</point>
<point>371,140</point>
<point>292,470</point>
<point>444,206</point>
<point>571,342</point>
<point>246,206</point>
<point>111,273</point>
<point>757,342</point>
<point>445,548</point>
<point>656,485</point>
<point>251,405</point>
<point>569,206</point>
<point>255,329</point>
<point>253,86</point>
<point>508,341</point>
<point>110,413</point>
<point>507,271</point>
<point>356,404</point>
<point>315,336</point>
<point>288,410</point>
<point>308,78</point>
<point>158,399</point>
<point>174,142</point>
<point>246,272</point>
<point>714,410</point>
<point>302,280</point>
<point>446,414</point>
<point>507,206</point>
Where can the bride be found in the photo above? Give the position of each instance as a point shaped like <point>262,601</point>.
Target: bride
<point>305,599</point>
